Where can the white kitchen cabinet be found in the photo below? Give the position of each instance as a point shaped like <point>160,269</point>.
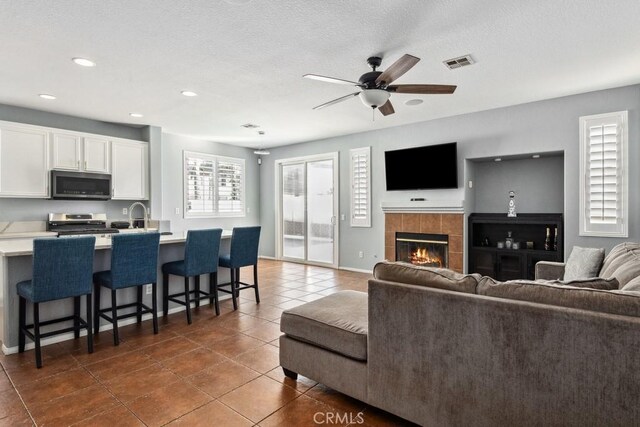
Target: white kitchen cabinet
<point>96,154</point>
<point>72,151</point>
<point>24,161</point>
<point>130,170</point>
<point>65,150</point>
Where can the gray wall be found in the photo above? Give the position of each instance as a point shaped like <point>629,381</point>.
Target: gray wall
<point>544,126</point>
<point>172,182</point>
<point>535,182</point>
<point>11,113</point>
<point>37,209</point>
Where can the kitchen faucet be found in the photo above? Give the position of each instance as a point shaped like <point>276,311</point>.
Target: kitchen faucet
<point>144,210</point>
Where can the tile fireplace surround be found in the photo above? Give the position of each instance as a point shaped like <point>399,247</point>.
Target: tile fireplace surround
<point>432,223</point>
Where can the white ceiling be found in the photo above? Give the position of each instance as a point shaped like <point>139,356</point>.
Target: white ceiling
<point>246,58</point>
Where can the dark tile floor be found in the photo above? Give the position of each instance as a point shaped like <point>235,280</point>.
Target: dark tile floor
<point>220,370</point>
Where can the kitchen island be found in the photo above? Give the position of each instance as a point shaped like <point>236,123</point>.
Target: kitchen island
<point>16,259</point>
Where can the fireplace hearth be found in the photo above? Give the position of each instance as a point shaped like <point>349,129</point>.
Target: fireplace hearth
<point>429,250</point>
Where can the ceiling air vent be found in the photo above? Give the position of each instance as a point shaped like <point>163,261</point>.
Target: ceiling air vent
<point>461,61</point>
<point>250,126</point>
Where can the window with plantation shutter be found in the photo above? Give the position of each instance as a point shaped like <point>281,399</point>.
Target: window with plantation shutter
<point>213,185</point>
<point>603,170</point>
<point>361,187</point>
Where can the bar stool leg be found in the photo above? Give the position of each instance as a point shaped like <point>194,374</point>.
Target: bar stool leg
<point>197,289</point>
<point>89,325</point>
<point>139,306</point>
<point>96,311</point>
<point>154,306</point>
<point>76,317</point>
<point>114,317</point>
<point>22,314</point>
<point>187,299</point>
<point>233,288</point>
<point>165,295</point>
<point>213,290</point>
<point>36,333</point>
<point>238,282</point>
<point>255,282</point>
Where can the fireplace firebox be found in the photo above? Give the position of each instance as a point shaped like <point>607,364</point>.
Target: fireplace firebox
<point>430,250</point>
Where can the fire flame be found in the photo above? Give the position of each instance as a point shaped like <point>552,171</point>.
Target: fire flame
<point>423,257</point>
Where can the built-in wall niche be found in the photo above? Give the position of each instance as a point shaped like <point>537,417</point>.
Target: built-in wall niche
<point>536,178</point>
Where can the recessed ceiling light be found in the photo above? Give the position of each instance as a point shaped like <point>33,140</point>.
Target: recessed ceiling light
<point>536,156</point>
<point>415,101</point>
<point>188,93</point>
<point>84,62</point>
<point>46,96</point>
<point>136,115</point>
<point>497,159</point>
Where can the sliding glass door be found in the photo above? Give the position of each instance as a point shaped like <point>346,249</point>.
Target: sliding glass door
<point>308,204</point>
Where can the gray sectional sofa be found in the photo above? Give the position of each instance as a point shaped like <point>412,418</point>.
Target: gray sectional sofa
<point>442,349</point>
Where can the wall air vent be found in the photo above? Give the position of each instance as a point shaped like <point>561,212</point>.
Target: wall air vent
<point>461,61</point>
<point>250,126</point>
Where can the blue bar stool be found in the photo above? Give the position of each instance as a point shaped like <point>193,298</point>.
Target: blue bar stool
<point>243,253</point>
<point>134,262</point>
<point>62,268</point>
<point>200,257</point>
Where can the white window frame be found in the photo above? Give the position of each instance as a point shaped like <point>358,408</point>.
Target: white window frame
<point>215,212</point>
<point>353,154</point>
<point>620,227</point>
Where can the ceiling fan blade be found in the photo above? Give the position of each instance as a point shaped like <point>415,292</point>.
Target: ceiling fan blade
<point>397,69</point>
<point>387,108</point>
<point>335,101</point>
<point>423,89</point>
<point>330,79</point>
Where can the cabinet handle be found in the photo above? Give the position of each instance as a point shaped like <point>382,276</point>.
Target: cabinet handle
<point>85,165</point>
<point>78,164</point>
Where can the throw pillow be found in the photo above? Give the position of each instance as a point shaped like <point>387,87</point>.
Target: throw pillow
<point>583,263</point>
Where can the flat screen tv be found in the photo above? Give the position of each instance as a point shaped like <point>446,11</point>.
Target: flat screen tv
<point>422,168</point>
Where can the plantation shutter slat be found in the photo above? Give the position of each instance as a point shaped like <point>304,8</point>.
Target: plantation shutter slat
<point>603,198</point>
<point>361,187</point>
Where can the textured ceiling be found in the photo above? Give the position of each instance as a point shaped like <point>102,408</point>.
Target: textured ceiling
<point>246,58</point>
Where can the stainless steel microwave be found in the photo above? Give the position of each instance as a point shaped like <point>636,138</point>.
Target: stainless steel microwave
<point>67,185</point>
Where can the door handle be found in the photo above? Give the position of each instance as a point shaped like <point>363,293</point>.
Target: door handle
<point>333,220</point>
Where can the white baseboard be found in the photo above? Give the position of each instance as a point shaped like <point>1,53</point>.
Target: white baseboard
<point>69,336</point>
<point>267,257</point>
<point>356,270</point>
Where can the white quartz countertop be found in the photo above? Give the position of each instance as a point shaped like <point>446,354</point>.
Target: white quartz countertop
<point>24,246</point>
<point>27,234</point>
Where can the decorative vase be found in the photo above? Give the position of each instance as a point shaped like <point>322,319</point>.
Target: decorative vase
<point>512,205</point>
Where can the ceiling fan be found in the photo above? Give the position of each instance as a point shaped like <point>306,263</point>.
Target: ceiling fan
<point>376,88</point>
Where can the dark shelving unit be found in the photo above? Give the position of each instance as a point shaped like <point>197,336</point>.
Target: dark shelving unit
<point>509,264</point>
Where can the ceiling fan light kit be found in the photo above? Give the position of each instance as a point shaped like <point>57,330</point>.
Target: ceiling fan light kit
<point>374,97</point>
<point>376,88</point>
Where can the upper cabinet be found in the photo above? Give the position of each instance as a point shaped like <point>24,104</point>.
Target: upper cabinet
<point>24,161</point>
<point>28,153</point>
<point>72,151</point>
<point>130,170</point>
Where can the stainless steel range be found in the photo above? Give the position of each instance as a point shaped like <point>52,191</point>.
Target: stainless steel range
<point>73,224</point>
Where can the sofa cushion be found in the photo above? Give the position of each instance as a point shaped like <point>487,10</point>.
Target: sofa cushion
<point>614,302</point>
<point>583,263</point>
<point>623,263</point>
<point>632,285</point>
<point>337,322</point>
<point>441,278</point>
